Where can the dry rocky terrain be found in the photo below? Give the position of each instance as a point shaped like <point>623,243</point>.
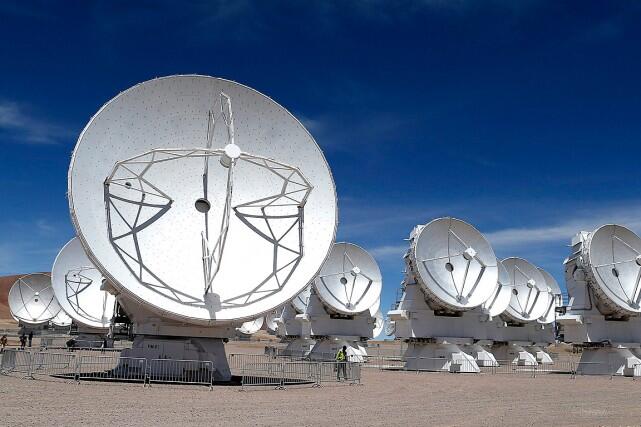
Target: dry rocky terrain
<point>385,398</point>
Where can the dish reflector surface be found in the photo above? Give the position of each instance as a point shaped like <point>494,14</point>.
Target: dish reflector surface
<point>61,319</point>
<point>302,299</point>
<point>553,297</point>
<point>500,299</point>
<point>77,286</point>
<point>252,326</point>
<point>379,324</point>
<point>529,299</point>
<point>201,218</point>
<point>350,281</point>
<point>614,254</point>
<point>375,307</point>
<point>270,320</point>
<point>31,299</point>
<point>454,264</point>
<point>390,327</point>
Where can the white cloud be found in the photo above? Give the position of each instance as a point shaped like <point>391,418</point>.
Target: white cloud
<point>44,226</point>
<point>28,246</point>
<point>628,216</point>
<point>20,126</point>
<point>386,251</point>
<point>546,245</point>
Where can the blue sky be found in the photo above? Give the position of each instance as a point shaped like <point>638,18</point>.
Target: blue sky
<point>522,118</point>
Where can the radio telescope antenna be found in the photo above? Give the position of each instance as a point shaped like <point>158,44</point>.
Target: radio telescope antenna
<point>612,260</point>
<point>252,326</point>
<point>270,320</point>
<point>390,327</point>
<point>77,284</point>
<point>248,230</point>
<point>301,300</point>
<point>454,264</point>
<point>31,299</point>
<point>61,319</point>
<point>554,298</point>
<point>379,324</point>
<point>375,307</point>
<point>350,281</point>
<point>530,291</point>
<point>500,299</point>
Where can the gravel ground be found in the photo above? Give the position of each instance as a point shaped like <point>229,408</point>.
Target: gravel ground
<point>386,398</point>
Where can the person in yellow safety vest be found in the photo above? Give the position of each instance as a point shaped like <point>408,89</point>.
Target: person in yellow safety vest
<point>341,362</point>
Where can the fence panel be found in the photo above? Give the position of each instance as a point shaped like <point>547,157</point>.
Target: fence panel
<point>53,364</point>
<point>262,374</point>
<point>237,361</point>
<point>300,373</point>
<point>339,371</point>
<point>14,360</point>
<point>181,371</point>
<point>112,367</point>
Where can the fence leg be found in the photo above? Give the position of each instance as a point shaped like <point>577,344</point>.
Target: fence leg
<point>30,370</point>
<point>281,386</point>
<point>319,368</point>
<point>76,375</point>
<point>147,381</point>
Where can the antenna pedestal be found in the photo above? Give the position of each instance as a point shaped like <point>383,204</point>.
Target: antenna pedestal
<point>513,353</point>
<point>610,361</point>
<point>179,349</point>
<point>322,321</point>
<point>162,338</point>
<point>288,324</point>
<point>88,337</point>
<point>298,347</point>
<point>326,349</point>
<point>611,344</point>
<point>473,331</point>
<point>320,332</point>
<point>434,356</point>
<point>481,354</point>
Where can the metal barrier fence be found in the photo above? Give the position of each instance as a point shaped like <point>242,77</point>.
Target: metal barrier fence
<point>419,364</point>
<point>239,361</point>
<point>111,368</point>
<point>280,374</point>
<point>16,361</point>
<point>107,367</point>
<point>181,371</point>
<point>339,371</point>
<point>53,363</point>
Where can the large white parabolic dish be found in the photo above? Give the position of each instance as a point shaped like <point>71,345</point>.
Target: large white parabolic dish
<point>62,319</point>
<point>553,296</point>
<point>31,299</point>
<point>77,285</point>
<point>350,281</point>
<point>270,320</point>
<point>454,264</point>
<point>501,295</point>
<point>220,206</point>
<point>613,258</point>
<point>301,300</point>
<point>529,291</point>
<point>379,324</point>
<point>252,326</point>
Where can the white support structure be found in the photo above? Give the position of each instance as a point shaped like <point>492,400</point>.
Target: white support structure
<point>156,337</point>
<point>340,309</point>
<point>606,328</point>
<point>462,309</point>
<point>331,331</point>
